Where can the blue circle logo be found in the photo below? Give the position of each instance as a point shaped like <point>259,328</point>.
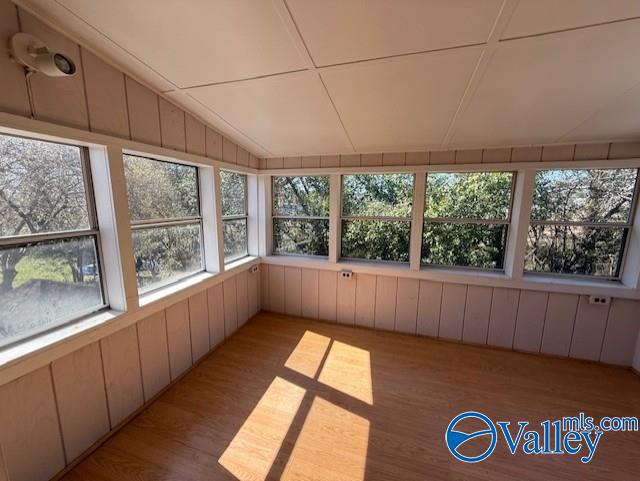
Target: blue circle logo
<point>455,439</point>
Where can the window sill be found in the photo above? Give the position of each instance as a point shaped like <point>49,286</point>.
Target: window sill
<point>162,292</point>
<point>463,276</point>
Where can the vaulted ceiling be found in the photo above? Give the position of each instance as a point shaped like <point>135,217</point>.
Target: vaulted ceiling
<point>302,77</point>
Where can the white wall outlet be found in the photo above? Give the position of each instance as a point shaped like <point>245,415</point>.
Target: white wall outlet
<point>599,300</point>
<point>255,268</point>
<point>346,274</point>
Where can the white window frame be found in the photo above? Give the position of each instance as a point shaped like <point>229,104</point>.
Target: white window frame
<point>628,226</point>
<point>148,224</point>
<point>245,217</point>
<point>92,231</point>
<point>408,219</point>
<point>469,221</point>
<point>275,217</point>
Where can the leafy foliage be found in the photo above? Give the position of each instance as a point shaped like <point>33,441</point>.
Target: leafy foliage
<point>235,238</point>
<point>234,203</point>
<point>298,198</point>
<point>162,191</point>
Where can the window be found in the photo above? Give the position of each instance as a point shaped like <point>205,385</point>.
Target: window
<point>49,245</point>
<point>164,207</point>
<point>376,216</point>
<point>466,219</point>
<point>580,221</point>
<point>301,215</point>
<point>234,215</point>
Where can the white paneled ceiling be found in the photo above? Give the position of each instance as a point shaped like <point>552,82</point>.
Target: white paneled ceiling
<point>295,77</point>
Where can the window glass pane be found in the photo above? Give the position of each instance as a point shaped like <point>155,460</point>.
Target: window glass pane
<point>160,190</point>
<point>596,195</point>
<point>467,245</point>
<point>235,238</point>
<point>594,251</point>
<point>234,190</point>
<point>301,236</point>
<point>301,196</point>
<point>166,254</point>
<point>41,187</point>
<point>46,283</point>
<point>469,195</point>
<point>375,239</point>
<point>377,195</point>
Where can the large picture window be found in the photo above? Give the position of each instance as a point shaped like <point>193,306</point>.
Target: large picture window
<point>376,216</point>
<point>580,221</point>
<point>301,215</point>
<point>466,219</point>
<point>234,215</point>
<point>49,241</point>
<point>164,207</point>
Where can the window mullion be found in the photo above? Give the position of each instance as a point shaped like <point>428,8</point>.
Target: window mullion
<point>520,215</point>
<point>415,246</point>
<point>335,195</point>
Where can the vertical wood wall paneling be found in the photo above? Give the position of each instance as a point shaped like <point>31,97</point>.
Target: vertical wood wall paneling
<point>242,157</point>
<point>199,324</point>
<point>452,311</point>
<point>213,144</point>
<point>276,288</point>
<point>195,135</point>
<point>265,299</point>
<point>588,332</point>
<point>292,291</point>
<point>215,299</point>
<point>230,306</point>
<point>365,300</point>
<point>122,374</point>
<point>407,305</point>
<point>309,294</point>
<point>476,314</point>
<point>154,354</point>
<point>229,151</point>
<point>346,300</point>
<point>253,284</point>
<point>60,100</point>
<point>30,434</point>
<point>558,324</point>
<point>502,321</point>
<point>13,84</point>
<point>106,97</point>
<point>620,337</point>
<point>172,129</point>
<point>327,295</point>
<point>530,321</point>
<point>429,303</point>
<point>81,399</point>
<point>242,295</point>
<point>144,117</point>
<point>386,293</point>
<point>178,338</point>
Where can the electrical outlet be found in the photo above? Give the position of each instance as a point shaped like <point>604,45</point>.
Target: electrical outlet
<point>254,269</point>
<point>346,274</point>
<point>599,300</point>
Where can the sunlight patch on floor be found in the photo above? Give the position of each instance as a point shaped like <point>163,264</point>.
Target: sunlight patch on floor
<point>308,354</point>
<point>254,448</point>
<point>348,370</point>
<point>332,445</point>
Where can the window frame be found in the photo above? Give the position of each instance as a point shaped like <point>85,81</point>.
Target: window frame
<point>226,218</point>
<point>627,227</point>
<point>92,231</point>
<point>275,216</point>
<point>148,224</point>
<point>342,217</point>
<point>447,220</point>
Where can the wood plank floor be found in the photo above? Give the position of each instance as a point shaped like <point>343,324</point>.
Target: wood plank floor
<point>294,399</point>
